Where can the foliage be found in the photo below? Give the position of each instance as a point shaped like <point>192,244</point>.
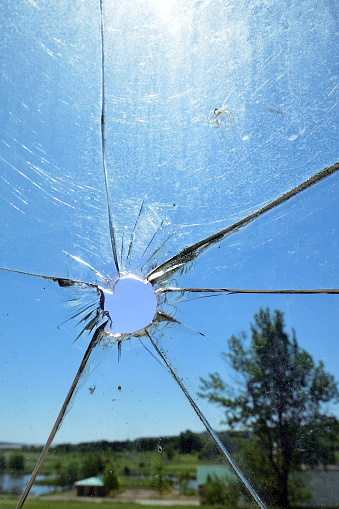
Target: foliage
<point>189,442</point>
<point>209,452</point>
<point>185,443</point>
<point>220,492</point>
<point>184,480</point>
<point>91,466</point>
<point>16,462</point>
<point>110,477</point>
<point>169,451</point>
<point>127,471</point>
<point>68,474</point>
<point>260,474</point>
<point>321,437</point>
<point>281,399</point>
<point>139,463</point>
<point>159,481</point>
<point>57,466</point>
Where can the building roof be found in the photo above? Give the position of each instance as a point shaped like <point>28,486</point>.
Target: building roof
<point>91,481</point>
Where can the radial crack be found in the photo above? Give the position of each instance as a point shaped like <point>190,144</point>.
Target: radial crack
<point>95,340</point>
<point>152,354</point>
<point>103,142</point>
<point>133,231</point>
<point>157,250</point>
<point>62,281</point>
<point>122,250</point>
<point>150,242</point>
<point>207,425</point>
<point>98,310</point>
<point>82,310</point>
<point>189,253</point>
<point>243,290</point>
<point>77,259</point>
<point>163,317</point>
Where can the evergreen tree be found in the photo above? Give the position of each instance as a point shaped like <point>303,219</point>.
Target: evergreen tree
<point>16,462</point>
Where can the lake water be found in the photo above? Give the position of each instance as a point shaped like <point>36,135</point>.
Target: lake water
<point>17,483</point>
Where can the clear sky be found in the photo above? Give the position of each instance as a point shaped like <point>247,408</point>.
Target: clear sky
<point>174,177</point>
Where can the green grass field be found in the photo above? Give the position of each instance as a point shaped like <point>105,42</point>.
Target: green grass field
<point>139,463</point>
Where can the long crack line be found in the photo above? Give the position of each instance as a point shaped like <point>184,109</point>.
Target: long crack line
<point>62,281</point>
<point>95,340</point>
<point>189,253</point>
<point>103,142</point>
<point>243,290</point>
<point>208,427</point>
<point>133,231</point>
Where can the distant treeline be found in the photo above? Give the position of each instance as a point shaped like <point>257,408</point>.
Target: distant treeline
<point>186,443</point>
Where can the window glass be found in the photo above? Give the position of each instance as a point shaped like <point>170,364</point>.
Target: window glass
<point>188,145</point>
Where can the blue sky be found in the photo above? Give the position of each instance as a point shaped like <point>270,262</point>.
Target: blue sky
<point>172,180</point>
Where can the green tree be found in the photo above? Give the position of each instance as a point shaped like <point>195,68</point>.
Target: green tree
<point>169,451</point>
<point>159,481</point>
<point>250,452</point>
<point>189,442</point>
<point>281,399</point>
<point>321,441</point>
<point>110,477</point>
<point>127,471</point>
<point>91,466</point>
<point>2,464</point>
<point>16,462</point>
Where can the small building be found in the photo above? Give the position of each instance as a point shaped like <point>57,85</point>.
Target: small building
<point>91,487</point>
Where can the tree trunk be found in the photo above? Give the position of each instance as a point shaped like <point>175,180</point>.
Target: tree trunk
<point>283,492</point>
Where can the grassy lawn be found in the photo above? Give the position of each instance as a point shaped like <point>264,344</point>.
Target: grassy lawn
<point>10,503</point>
<point>143,463</point>
<point>63,504</point>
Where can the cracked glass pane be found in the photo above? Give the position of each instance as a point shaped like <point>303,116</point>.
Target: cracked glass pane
<point>187,150</point>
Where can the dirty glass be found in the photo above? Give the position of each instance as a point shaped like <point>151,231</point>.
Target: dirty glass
<point>190,145</point>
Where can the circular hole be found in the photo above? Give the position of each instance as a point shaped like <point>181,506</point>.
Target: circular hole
<point>132,306</point>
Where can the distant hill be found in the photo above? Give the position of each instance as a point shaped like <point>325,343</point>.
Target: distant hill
<point>10,445</point>
<point>184,442</point>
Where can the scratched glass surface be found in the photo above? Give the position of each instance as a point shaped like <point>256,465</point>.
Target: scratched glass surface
<point>190,145</point>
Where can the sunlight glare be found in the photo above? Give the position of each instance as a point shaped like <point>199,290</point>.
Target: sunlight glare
<point>165,10</point>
